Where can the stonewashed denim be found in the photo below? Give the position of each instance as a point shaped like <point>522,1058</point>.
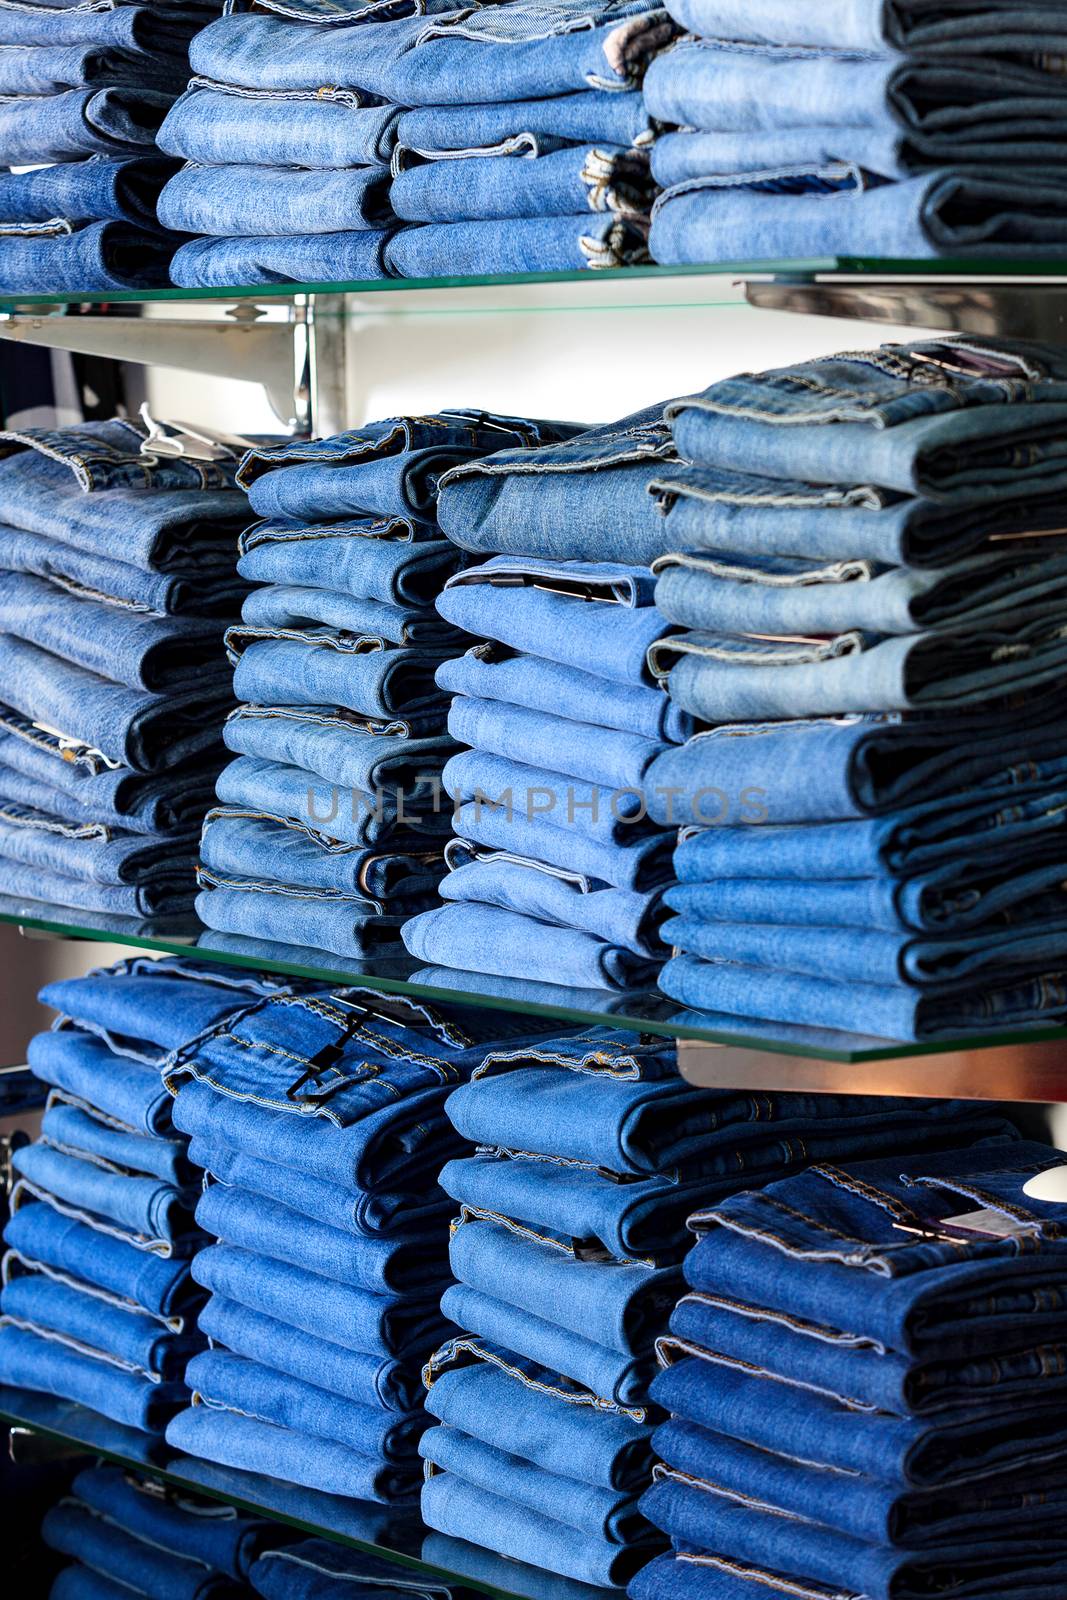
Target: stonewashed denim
<point>490,672</point>
<point>67,1127</point>
<point>324,667</point>
<point>312,1357</point>
<point>839,768</point>
<point>236,1440</point>
<point>96,1263</point>
<point>129,1339</point>
<point>89,1074</point>
<point>143,911</point>
<point>737,513</point>
<point>389,559</point>
<point>48,69</point>
<point>600,755</point>
<point>537,49</point>
<point>392,468</point>
<point>353,817</point>
<point>230,1382</point>
<point>476,937</point>
<point>567,899</point>
<point>220,1537</point>
<point>214,124</point>
<point>506,1400</point>
<point>542,607</point>
<point>79,123</point>
<point>638,864</point>
<point>721,678</point>
<point>522,793</point>
<point>238,844</point>
<point>453,1506</point>
<point>30,1361</point>
<point>782,595</point>
<point>54,257</point>
<point>375,1325</point>
<point>369,1214</point>
<point>237,201</point>
<point>583,500</point>
<point>860,1371</point>
<point>101,455</point>
<point>287,608</point>
<point>305,258</point>
<point>559,183</point>
<point>936,417</point>
<point>949,1292</point>
<point>92,574</point>
<point>85,191</point>
<point>820,1556</point>
<point>527,244</point>
<point>401,1266</point>
<point>604,1515</point>
<point>524,127</point>
<point>366,755</point>
<point>147,29</point>
<point>771,107</point>
<point>153,869</point>
<point>320,919</point>
<point>157,1213</point>
<point>977,27</point>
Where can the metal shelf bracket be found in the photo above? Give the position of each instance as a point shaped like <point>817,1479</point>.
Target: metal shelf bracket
<point>1019,309</point>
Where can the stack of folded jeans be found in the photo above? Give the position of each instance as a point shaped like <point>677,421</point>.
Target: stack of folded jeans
<point>331,815</point>
<point>98,1304</point>
<point>319,1120</point>
<point>876,641</point>
<point>556,873</point>
<point>84,89</point>
<point>591,1153</point>
<point>116,587</point>
<point>527,115</point>
<point>866,1377</point>
<point>889,129</point>
<point>127,1536</point>
<point>319,1569</point>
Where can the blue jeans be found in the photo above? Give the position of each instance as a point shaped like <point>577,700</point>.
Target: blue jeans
<point>477,937</point>
<point>324,128</point>
<point>75,1131</point>
<point>79,123</point>
<point>392,559</point>
<point>523,127</point>
<point>305,258</point>
<point>373,757</point>
<point>238,201</point>
<point>323,919</point>
<point>355,817</point>
<point>29,1361</point>
<point>319,1569</point>
<point>85,191</point>
<point>77,570</point>
<point>604,756</point>
<point>560,183</point>
<point>86,1071</point>
<point>528,244</point>
<point>49,69</point>
<point>288,607</point>
<point>321,667</point>
<point>46,258</point>
<point>149,30</point>
<point>152,1213</point>
<point>239,845</point>
<point>871,26</point>
<point>128,1339</point>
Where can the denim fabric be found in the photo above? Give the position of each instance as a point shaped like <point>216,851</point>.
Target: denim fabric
<point>524,793</point>
<point>453,1506</point>
<point>312,1357</point>
<point>288,608</point>
<point>887,1013</point>
<point>706,1577</point>
<point>132,1340</point>
<point>977,27</point>
<point>779,595</point>
<point>321,667</point>
<point>638,864</point>
<point>586,500</point>
<point>305,258</point>
<point>382,1266</point>
<point>318,1569</point>
<point>483,1566</point>
<point>560,183</point>
<point>157,1211</point>
<point>157,870</point>
<point>95,575</point>
<point>86,1259</point>
<point>53,258</point>
<point>724,679</point>
<point>369,756</point>
<point>320,128</point>
<point>350,816</point>
<point>48,69</point>
<point>82,1068</point>
<point>368,1323</point>
<point>254,1446</point>
<point>476,937</point>
<point>124,1560</point>
<point>489,672</point>
<point>236,201</point>
<point>97,456</point>
<point>602,1514</point>
<point>510,1402</point>
<point>78,123</point>
<point>220,1537</point>
<point>392,467</point>
<point>606,756</point>
<point>841,768</point>
<point>528,244</point>
<point>144,1008</point>
<point>860,1371</point>
<point>528,991</point>
<point>143,28</point>
<point>85,191</point>
<point>520,604</point>
<point>397,560</point>
<point>28,1361</point>
<point>616,915</point>
<point>238,845</point>
<point>524,127</point>
<point>322,919</point>
<point>786,1544</point>
<point>231,1383</point>
<point>534,50</point>
<point>75,1132</point>
<point>373,1214</point>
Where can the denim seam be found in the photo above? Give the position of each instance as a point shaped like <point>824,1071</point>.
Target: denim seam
<point>825,1335</point>
<point>61,1097</point>
<point>580,1396</point>
<point>767,1580</point>
<point>469,1213</point>
<point>175,1324</point>
<point>79,1347</point>
<point>662,1472</point>
<point>141,1241</point>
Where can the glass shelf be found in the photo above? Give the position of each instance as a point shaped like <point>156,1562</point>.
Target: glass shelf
<point>798,268</point>
<point>400,1536</point>
<point>755,1054</point>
